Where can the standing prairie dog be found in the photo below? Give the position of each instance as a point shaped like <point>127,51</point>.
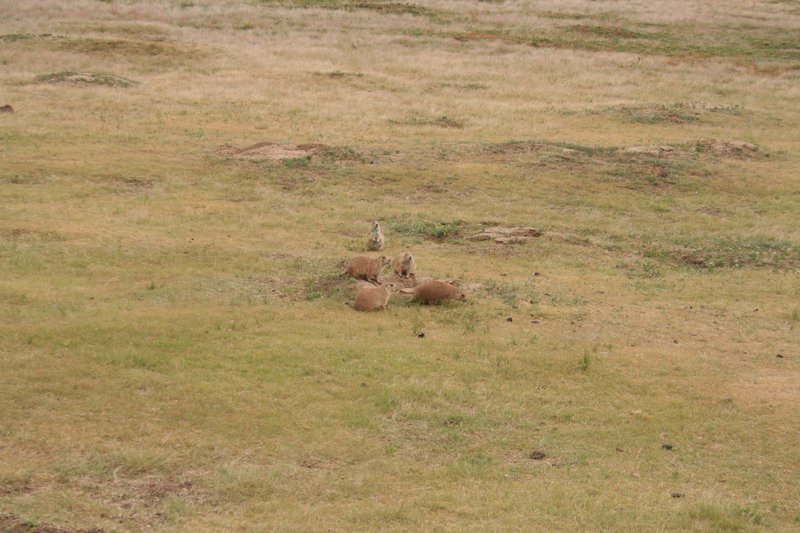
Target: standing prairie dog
<point>371,298</point>
<point>365,267</point>
<point>375,239</point>
<point>404,265</point>
<point>436,292</point>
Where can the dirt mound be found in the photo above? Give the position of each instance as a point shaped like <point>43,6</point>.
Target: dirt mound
<point>507,235</point>
<point>713,147</point>
<point>273,151</point>
<point>656,150</point>
<point>729,148</point>
<point>401,283</point>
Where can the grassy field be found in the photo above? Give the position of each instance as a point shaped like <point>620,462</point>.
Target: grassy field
<point>182,181</point>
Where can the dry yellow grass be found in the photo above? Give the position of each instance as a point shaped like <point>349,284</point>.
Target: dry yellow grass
<point>175,349</point>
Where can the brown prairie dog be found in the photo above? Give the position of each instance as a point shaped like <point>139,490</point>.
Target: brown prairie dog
<point>375,238</point>
<point>371,298</point>
<point>436,292</point>
<point>404,265</point>
<point>365,267</point>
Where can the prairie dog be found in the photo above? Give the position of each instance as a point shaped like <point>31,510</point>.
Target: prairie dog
<point>371,298</point>
<point>365,267</point>
<point>375,239</point>
<point>404,265</point>
<point>436,292</point>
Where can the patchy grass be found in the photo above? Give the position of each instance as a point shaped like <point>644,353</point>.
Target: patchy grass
<point>438,231</point>
<point>675,114</point>
<point>441,122</point>
<point>612,32</point>
<point>86,78</point>
<point>176,348</point>
<point>733,253</point>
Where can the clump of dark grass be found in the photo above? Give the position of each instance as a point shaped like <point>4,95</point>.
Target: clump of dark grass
<point>439,231</point>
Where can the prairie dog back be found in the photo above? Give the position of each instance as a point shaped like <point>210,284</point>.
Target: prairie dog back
<point>371,298</point>
<point>366,267</point>
<point>436,292</point>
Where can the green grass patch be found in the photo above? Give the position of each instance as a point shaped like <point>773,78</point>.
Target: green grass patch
<point>439,231</point>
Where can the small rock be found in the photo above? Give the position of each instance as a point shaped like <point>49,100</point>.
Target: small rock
<point>537,455</point>
<point>667,446</point>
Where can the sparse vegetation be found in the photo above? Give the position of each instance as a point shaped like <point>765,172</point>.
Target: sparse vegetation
<point>86,78</point>
<point>182,183</point>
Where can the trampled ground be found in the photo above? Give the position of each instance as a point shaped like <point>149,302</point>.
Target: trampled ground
<point>181,183</point>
